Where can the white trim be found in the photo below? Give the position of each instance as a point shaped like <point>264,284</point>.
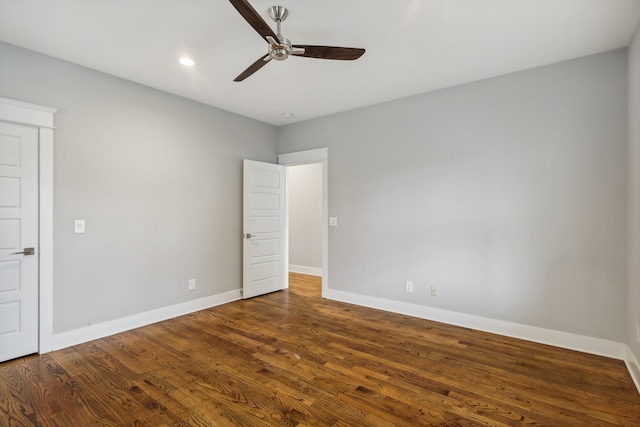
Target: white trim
<point>41,117</point>
<point>26,114</point>
<point>46,240</point>
<point>566,340</point>
<point>313,271</point>
<point>633,366</point>
<point>100,330</point>
<point>286,228</point>
<point>319,155</point>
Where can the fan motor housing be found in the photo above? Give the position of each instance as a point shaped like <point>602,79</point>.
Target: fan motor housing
<point>279,54</point>
<point>280,49</point>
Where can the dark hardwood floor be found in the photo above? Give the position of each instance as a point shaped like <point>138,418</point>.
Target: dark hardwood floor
<point>291,358</point>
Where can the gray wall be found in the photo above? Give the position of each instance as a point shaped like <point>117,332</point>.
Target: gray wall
<point>509,195</point>
<point>634,193</point>
<point>305,215</point>
<point>157,179</point>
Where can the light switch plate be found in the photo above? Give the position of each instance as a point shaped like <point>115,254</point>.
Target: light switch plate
<point>79,226</point>
<point>333,221</point>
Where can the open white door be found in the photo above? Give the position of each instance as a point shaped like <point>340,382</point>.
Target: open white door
<point>264,231</point>
<point>18,240</point>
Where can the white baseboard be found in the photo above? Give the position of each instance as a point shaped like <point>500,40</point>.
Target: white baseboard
<point>101,330</point>
<point>566,340</point>
<point>633,366</point>
<point>530,333</point>
<point>313,271</point>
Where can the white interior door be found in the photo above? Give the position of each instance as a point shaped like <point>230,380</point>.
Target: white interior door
<point>264,232</point>
<point>18,240</point>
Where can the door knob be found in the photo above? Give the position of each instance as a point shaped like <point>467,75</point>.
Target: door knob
<point>25,251</point>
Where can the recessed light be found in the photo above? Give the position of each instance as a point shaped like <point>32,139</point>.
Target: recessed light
<point>287,115</point>
<point>187,62</point>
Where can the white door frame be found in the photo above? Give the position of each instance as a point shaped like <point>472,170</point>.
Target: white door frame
<point>320,155</point>
<point>22,113</point>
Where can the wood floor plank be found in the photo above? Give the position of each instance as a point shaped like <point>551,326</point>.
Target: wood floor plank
<point>291,358</point>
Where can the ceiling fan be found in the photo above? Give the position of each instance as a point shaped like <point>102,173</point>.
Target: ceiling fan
<point>280,47</point>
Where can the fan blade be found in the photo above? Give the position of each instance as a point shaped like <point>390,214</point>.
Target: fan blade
<point>253,18</point>
<point>253,68</point>
<point>330,52</point>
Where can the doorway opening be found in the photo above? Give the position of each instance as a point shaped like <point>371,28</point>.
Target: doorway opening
<point>307,213</point>
<point>304,204</point>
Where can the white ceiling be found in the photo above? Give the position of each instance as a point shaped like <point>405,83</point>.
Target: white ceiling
<point>412,46</point>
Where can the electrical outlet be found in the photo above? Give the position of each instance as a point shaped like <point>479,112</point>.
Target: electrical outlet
<point>638,333</point>
<point>434,291</point>
<point>192,284</point>
<point>408,286</point>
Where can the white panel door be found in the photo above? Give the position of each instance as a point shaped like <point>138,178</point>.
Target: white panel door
<point>264,232</point>
<point>18,233</point>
